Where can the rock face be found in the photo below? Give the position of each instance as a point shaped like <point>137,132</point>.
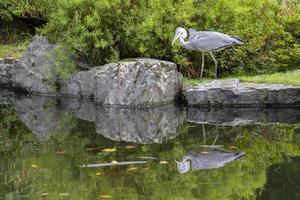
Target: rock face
<point>232,93</point>
<point>35,72</point>
<point>134,83</point>
<point>6,75</point>
<point>80,84</point>
<point>143,82</point>
<point>139,82</point>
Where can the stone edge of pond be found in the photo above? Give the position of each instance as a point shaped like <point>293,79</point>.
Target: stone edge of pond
<point>233,93</point>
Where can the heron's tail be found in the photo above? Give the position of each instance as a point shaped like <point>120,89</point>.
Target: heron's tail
<point>237,41</point>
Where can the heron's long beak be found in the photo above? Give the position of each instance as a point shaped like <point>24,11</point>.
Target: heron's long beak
<point>175,38</point>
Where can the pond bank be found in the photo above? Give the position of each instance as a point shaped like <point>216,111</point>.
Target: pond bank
<point>233,93</point>
<point>135,83</point>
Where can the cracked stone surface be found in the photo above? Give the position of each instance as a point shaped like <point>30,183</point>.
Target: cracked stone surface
<point>142,82</point>
<point>136,82</point>
<point>233,93</point>
<point>35,72</point>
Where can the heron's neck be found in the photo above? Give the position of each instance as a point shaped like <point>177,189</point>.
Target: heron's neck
<point>184,43</point>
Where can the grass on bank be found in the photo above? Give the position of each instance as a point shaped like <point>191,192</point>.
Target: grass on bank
<point>13,50</point>
<point>288,78</point>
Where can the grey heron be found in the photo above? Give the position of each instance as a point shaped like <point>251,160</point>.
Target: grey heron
<point>205,41</point>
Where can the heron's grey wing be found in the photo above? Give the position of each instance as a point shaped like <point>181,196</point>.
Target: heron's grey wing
<point>192,32</point>
<point>211,41</point>
<point>197,34</point>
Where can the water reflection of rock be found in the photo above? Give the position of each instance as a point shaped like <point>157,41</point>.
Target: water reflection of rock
<point>6,96</point>
<point>148,125</point>
<point>44,116</point>
<point>237,116</point>
<point>39,114</point>
<point>207,160</point>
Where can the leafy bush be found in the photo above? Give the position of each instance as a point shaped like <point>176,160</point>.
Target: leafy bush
<point>110,30</point>
<point>5,10</point>
<point>26,8</point>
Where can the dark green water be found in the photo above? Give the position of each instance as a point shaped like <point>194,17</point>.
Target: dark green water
<point>45,142</point>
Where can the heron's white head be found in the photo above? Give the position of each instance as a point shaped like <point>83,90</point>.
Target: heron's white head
<point>179,33</point>
<point>183,166</point>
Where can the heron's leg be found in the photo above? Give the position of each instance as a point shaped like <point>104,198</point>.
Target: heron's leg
<point>204,134</point>
<point>217,136</point>
<point>216,65</point>
<point>202,66</point>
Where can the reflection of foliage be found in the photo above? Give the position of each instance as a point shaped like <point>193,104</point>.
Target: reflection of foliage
<point>53,166</point>
<point>14,136</point>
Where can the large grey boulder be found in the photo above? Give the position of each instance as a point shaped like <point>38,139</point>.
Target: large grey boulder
<point>35,72</point>
<point>141,82</point>
<point>233,93</point>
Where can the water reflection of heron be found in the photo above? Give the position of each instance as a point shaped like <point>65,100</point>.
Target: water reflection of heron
<point>213,145</point>
<point>208,160</point>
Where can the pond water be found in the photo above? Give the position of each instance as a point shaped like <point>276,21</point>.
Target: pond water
<point>56,148</point>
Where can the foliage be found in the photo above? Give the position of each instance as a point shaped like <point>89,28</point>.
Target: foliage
<point>13,50</point>
<point>6,10</point>
<point>288,78</point>
<point>106,31</point>
<point>40,9</point>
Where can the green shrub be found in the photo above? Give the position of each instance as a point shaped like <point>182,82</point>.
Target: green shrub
<point>104,31</point>
<point>6,10</point>
<point>26,8</point>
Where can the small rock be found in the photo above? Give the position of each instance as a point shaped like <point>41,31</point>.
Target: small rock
<point>9,60</point>
<point>233,93</point>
